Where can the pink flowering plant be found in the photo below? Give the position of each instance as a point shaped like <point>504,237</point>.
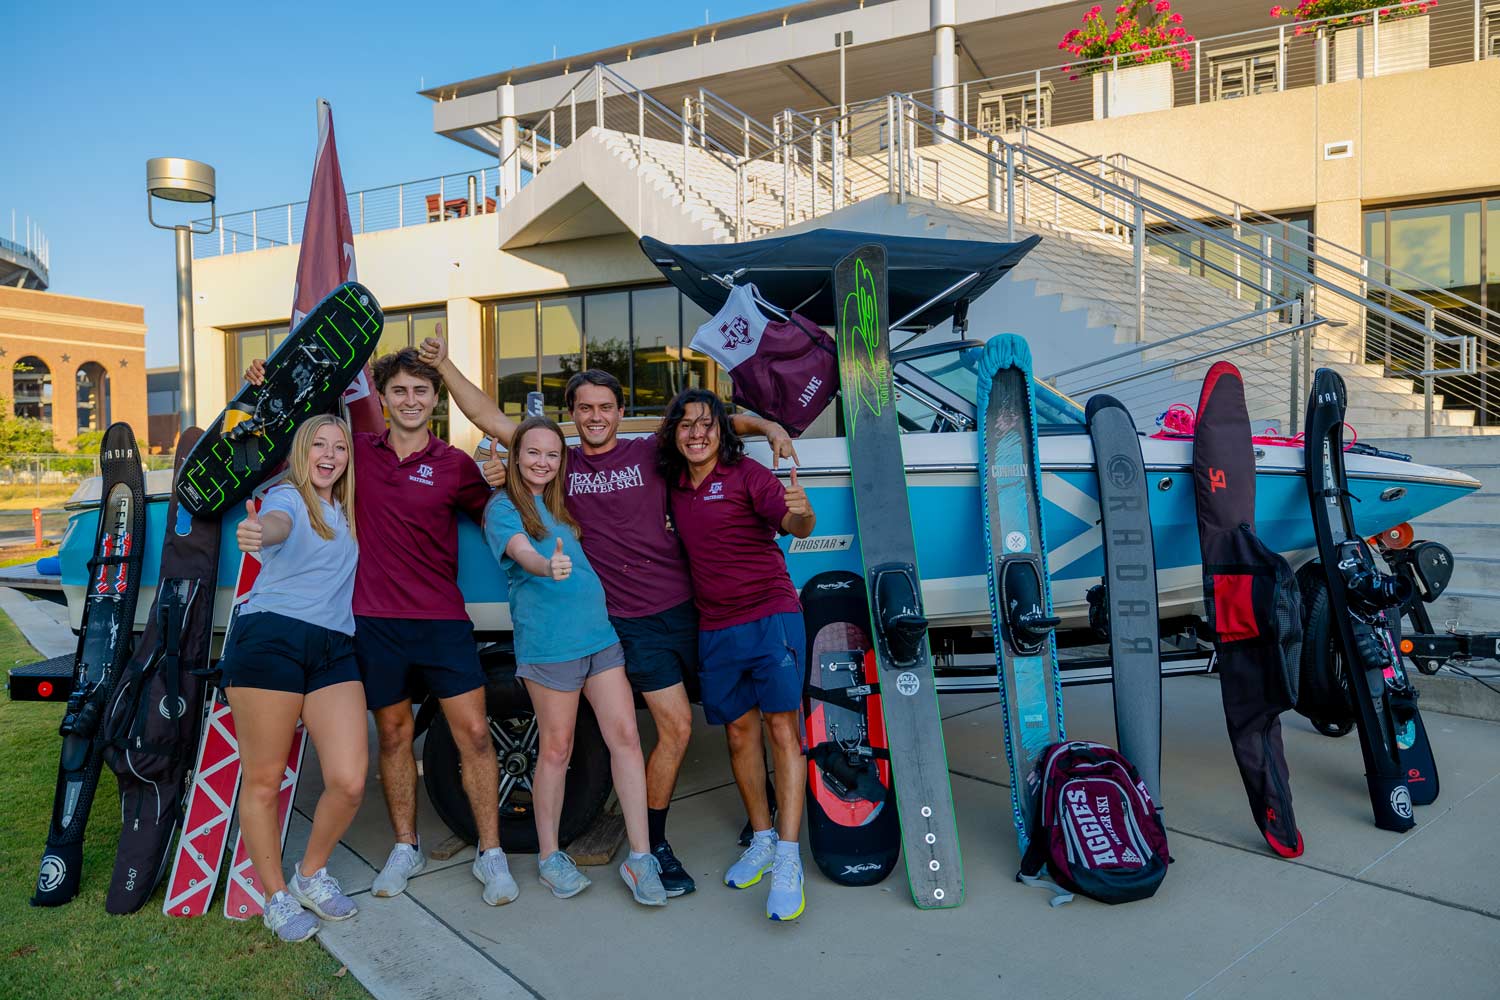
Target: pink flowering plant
<point>1341,13</point>
<point>1142,32</point>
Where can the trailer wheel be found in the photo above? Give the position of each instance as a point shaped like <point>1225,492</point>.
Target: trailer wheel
<point>1323,692</point>
<point>513,733</point>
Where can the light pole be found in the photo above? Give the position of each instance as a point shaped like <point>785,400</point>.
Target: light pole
<point>172,178</point>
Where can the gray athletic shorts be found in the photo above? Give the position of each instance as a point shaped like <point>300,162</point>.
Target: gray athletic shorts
<point>569,675</point>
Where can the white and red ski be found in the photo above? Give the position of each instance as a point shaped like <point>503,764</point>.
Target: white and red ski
<point>243,898</point>
<point>216,782</point>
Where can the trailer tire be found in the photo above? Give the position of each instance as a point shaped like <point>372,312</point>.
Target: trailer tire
<point>512,721</point>
<point>1323,692</point>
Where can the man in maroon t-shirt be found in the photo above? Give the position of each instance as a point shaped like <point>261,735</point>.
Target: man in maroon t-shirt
<point>618,496</point>
<point>752,642</point>
<point>409,617</point>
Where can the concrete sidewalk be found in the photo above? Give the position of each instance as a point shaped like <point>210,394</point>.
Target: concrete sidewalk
<point>1363,912</point>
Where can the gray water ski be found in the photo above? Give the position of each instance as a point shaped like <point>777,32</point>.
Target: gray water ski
<point>1129,595</point>
<point>1020,595</point>
<point>919,761</point>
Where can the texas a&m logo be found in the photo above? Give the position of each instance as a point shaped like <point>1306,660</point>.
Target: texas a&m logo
<point>736,331</point>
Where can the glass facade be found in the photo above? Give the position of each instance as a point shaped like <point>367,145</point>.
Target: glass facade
<point>1216,263</point>
<point>640,335</point>
<point>1445,255</point>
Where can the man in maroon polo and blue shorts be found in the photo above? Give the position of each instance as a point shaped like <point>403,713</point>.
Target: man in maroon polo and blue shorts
<point>751,643</point>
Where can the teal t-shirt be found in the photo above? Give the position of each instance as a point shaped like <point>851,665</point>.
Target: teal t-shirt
<point>554,620</point>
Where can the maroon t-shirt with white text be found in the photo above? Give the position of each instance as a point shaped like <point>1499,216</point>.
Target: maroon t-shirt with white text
<point>406,517</point>
<point>619,499</point>
<point>728,525</point>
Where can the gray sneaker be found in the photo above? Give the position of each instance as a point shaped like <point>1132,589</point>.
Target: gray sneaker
<point>559,874</point>
<point>285,916</point>
<point>754,863</point>
<point>643,875</point>
<point>404,862</point>
<point>492,868</point>
<point>321,893</point>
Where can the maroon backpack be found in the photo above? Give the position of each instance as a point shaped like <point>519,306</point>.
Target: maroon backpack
<point>1096,830</point>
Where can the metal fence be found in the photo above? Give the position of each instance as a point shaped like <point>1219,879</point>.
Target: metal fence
<point>48,472</point>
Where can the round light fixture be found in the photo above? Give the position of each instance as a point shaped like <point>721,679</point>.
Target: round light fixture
<point>174,178</point>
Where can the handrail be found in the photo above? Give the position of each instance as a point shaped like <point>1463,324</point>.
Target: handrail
<point>1153,345</point>
<point>1200,356</point>
<point>1188,225</point>
<point>1294,245</point>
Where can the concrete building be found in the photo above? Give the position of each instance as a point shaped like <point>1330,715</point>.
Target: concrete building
<point>1284,195</point>
<point>163,407</point>
<point>76,364</point>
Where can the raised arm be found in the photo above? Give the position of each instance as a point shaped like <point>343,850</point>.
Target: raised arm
<point>749,425</point>
<point>472,400</point>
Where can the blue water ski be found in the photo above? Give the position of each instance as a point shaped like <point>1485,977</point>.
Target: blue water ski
<point>1020,594</point>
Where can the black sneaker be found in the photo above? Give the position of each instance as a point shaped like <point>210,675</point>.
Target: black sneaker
<point>674,877</point>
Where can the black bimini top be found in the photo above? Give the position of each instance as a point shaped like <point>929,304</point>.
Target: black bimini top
<point>930,280</point>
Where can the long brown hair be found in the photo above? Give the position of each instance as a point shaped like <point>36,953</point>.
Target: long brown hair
<point>552,493</point>
<point>300,475</point>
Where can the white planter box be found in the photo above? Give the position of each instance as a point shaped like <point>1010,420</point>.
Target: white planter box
<point>1133,90</point>
<point>1403,47</point>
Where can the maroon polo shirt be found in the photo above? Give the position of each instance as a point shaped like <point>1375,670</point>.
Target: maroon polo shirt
<point>620,500</point>
<point>406,512</point>
<point>728,525</point>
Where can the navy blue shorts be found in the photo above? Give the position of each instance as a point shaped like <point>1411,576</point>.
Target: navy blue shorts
<point>276,653</point>
<point>400,658</point>
<point>755,665</point>
<point>660,649</point>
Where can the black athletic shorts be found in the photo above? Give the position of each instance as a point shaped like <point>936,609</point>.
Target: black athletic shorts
<point>400,658</point>
<point>660,649</point>
<point>277,653</point>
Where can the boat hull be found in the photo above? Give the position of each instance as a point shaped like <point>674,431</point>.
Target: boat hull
<point>944,491</point>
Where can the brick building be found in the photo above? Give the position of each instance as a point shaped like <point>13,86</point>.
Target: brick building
<point>76,364</point>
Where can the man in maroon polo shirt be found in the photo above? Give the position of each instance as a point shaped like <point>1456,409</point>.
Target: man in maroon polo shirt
<point>751,640</point>
<point>616,493</point>
<point>409,618</point>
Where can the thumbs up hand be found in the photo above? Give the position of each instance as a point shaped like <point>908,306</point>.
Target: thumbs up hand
<point>796,498</point>
<point>560,565</point>
<point>248,535</point>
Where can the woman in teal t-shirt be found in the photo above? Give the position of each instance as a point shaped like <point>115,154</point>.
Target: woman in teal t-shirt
<point>564,645</point>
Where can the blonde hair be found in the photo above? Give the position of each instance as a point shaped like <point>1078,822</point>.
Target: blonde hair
<point>300,474</point>
<point>552,493</point>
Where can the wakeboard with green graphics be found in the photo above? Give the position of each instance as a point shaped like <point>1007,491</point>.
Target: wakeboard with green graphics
<point>914,726</point>
<point>305,376</point>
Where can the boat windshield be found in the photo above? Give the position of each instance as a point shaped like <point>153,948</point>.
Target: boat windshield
<point>1056,413</point>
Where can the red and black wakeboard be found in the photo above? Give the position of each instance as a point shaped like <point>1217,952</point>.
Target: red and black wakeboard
<point>1253,607</point>
<point>852,827</point>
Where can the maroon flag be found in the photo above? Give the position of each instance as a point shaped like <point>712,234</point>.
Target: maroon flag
<point>327,259</point>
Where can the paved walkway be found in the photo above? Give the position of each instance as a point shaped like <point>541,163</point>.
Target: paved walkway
<point>1363,912</point>
<point>43,623</point>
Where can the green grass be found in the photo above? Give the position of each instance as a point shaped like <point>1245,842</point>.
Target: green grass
<point>26,556</point>
<point>80,951</point>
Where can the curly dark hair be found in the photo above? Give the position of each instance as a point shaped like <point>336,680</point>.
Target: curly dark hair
<point>593,376</point>
<point>405,360</point>
<point>671,461</point>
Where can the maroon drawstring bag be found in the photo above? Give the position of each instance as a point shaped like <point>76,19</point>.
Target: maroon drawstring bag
<point>784,370</point>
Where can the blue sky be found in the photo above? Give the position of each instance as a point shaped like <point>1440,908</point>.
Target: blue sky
<point>92,90</point>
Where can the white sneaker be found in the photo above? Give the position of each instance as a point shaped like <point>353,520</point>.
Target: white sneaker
<point>754,863</point>
<point>286,917</point>
<point>492,868</point>
<point>321,893</point>
<point>404,862</point>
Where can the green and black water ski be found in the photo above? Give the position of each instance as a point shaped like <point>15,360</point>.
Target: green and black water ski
<point>914,727</point>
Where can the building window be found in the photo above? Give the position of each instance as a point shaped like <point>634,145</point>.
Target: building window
<point>638,335</point>
<point>1491,31</point>
<point>1216,263</point>
<point>32,380</point>
<point>93,397</point>
<point>248,344</point>
<point>1445,255</point>
<point>1244,71</point>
